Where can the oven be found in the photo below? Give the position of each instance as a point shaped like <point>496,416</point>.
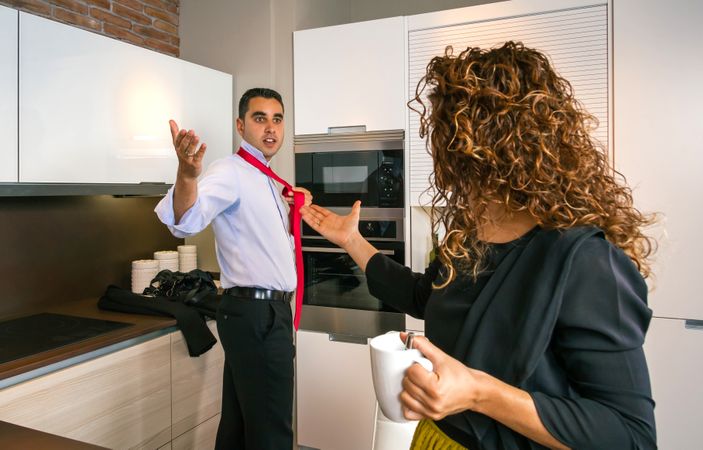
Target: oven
<point>338,170</point>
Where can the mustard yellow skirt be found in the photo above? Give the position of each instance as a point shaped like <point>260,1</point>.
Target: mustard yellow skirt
<point>428,436</point>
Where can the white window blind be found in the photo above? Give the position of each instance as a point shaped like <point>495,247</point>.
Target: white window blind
<point>575,40</point>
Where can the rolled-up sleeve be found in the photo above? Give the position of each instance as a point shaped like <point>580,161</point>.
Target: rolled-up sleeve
<point>218,190</point>
<point>598,340</point>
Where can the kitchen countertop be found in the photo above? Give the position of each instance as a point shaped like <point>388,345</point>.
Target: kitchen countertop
<point>15,436</point>
<point>143,324</point>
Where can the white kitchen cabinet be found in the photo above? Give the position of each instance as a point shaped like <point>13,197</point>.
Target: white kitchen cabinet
<point>334,393</point>
<point>673,349</point>
<point>657,140</point>
<point>120,400</point>
<point>196,384</point>
<point>8,94</point>
<point>349,75</point>
<point>95,110</point>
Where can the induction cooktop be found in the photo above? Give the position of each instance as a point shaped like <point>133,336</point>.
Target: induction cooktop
<point>37,333</point>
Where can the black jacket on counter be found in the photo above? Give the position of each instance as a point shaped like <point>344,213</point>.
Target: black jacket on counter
<point>189,318</point>
<point>561,315</point>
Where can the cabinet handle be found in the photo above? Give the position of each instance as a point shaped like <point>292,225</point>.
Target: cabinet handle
<point>348,338</point>
<point>693,324</point>
<point>348,129</point>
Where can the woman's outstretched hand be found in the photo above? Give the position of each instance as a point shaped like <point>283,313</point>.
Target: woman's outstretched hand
<point>335,228</point>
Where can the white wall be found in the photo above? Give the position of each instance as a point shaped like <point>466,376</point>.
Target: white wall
<point>376,9</point>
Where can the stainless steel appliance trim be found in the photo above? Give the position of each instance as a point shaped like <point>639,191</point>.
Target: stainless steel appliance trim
<point>339,250</point>
<point>395,214</point>
<point>371,213</point>
<point>348,339</point>
<point>350,322</point>
<point>340,142</point>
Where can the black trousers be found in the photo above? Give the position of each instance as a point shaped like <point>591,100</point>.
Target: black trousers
<point>257,389</point>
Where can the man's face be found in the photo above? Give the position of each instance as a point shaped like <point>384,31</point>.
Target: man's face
<point>262,126</point>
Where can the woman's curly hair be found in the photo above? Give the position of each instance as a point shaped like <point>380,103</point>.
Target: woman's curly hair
<point>504,127</point>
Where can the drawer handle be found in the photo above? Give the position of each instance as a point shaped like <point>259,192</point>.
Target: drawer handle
<point>693,324</point>
<point>348,338</point>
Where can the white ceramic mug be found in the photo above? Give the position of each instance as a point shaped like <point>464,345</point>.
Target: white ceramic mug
<point>389,361</point>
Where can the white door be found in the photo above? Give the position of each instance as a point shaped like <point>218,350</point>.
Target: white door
<point>96,110</point>
<point>673,348</point>
<point>8,94</point>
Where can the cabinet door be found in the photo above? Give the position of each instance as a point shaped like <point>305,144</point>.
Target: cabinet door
<point>657,139</point>
<point>96,110</point>
<point>349,75</point>
<point>196,383</point>
<point>673,349</point>
<point>8,94</point>
<point>121,400</point>
<point>335,397</point>
<point>201,437</point>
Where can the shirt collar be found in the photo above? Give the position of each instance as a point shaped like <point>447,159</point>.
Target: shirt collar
<point>254,152</point>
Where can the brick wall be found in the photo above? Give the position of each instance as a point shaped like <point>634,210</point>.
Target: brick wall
<point>151,24</point>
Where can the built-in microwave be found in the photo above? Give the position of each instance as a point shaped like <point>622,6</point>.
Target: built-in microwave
<point>339,169</point>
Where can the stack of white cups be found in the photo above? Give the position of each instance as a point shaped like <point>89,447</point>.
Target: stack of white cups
<point>143,271</point>
<point>168,259</point>
<point>187,258</point>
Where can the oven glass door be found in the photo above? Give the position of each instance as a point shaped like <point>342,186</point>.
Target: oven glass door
<point>333,279</point>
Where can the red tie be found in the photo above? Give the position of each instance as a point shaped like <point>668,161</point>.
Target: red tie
<point>294,222</point>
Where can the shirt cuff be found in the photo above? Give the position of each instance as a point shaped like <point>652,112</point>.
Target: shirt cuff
<point>187,226</point>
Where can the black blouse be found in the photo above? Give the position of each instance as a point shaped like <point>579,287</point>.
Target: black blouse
<point>561,315</point>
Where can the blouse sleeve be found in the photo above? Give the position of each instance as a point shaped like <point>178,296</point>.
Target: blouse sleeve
<point>598,341</point>
<point>400,287</point>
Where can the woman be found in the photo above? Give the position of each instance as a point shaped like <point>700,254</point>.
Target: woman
<point>535,308</point>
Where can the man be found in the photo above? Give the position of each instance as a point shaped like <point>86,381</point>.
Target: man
<point>255,252</point>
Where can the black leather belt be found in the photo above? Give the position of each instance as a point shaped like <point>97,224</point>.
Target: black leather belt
<point>259,294</point>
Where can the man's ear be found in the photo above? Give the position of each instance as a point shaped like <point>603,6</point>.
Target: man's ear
<point>240,127</point>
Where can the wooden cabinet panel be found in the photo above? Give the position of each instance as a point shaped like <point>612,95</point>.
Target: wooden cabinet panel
<point>350,74</point>
<point>196,383</point>
<point>120,400</point>
<point>201,437</point>
<point>95,110</point>
<point>8,94</point>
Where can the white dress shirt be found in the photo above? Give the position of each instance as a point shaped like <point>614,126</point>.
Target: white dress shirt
<point>249,218</point>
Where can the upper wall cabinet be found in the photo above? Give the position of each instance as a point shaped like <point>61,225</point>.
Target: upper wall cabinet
<point>96,110</point>
<point>8,94</point>
<point>573,33</point>
<point>657,140</point>
<point>349,75</point>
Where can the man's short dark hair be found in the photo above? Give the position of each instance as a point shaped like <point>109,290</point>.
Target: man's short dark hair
<point>257,92</point>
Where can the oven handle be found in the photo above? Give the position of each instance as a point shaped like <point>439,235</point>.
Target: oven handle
<point>340,250</point>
